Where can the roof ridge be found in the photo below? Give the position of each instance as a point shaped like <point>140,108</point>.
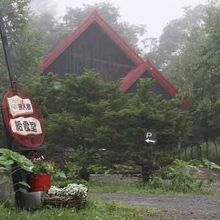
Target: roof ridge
<point>93,17</point>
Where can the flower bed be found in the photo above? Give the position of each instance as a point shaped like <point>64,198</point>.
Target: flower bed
<point>73,195</point>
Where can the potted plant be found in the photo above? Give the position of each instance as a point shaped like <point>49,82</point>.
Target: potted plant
<point>72,195</point>
<point>10,163</point>
<point>41,177</point>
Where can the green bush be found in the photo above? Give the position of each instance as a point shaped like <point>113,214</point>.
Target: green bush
<point>181,176</point>
<point>99,169</point>
<point>206,164</point>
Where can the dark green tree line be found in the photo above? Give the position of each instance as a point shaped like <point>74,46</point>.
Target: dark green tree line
<point>196,71</point>
<point>87,114</point>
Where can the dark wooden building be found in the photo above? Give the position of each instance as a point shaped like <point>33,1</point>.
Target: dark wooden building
<point>95,45</point>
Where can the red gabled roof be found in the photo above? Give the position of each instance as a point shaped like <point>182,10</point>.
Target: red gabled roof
<point>133,75</point>
<point>93,18</point>
<point>136,73</point>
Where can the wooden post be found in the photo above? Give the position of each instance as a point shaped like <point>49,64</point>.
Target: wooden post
<point>207,149</point>
<point>185,153</point>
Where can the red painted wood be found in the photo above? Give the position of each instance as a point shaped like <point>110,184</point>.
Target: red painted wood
<point>135,74</point>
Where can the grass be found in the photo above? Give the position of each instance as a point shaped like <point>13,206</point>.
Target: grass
<point>96,209</point>
<point>139,189</point>
<point>133,188</point>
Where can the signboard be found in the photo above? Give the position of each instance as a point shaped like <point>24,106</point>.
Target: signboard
<point>23,118</point>
<point>25,126</point>
<point>150,138</point>
<point>19,106</point>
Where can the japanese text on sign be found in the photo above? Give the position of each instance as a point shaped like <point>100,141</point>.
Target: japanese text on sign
<point>19,106</point>
<point>25,126</point>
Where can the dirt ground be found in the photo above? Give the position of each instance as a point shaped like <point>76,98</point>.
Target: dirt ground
<point>185,207</point>
<point>172,207</point>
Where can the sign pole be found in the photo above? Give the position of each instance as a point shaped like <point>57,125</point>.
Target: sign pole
<point>22,118</point>
<point>17,174</point>
<point>151,140</point>
<point>6,50</point>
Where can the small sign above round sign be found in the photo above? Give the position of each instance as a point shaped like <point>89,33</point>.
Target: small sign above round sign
<point>23,119</point>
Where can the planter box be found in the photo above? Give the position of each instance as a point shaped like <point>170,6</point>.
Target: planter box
<point>40,182</point>
<point>65,201</point>
<point>7,190</point>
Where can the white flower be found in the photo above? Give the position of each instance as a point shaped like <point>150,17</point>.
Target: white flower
<point>54,190</point>
<point>70,190</point>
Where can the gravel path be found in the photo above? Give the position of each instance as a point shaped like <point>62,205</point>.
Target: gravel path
<point>172,207</point>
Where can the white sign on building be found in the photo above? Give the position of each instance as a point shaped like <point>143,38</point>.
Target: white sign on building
<point>25,126</point>
<point>19,106</point>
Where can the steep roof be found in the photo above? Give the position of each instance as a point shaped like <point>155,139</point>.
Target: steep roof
<point>141,65</point>
<point>93,18</point>
<point>135,74</point>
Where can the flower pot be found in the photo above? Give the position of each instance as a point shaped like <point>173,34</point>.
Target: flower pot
<point>40,182</point>
<point>31,200</point>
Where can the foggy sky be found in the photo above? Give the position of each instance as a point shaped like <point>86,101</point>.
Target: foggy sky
<point>155,14</point>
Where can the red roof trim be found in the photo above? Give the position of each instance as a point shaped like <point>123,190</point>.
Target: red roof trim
<point>135,74</point>
<point>93,18</point>
<point>162,80</point>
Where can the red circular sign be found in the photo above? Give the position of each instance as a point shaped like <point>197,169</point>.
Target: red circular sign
<point>23,119</point>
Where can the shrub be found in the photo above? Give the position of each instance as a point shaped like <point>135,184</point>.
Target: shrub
<point>181,176</point>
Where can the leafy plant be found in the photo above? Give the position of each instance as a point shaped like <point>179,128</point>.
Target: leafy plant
<point>71,170</point>
<point>206,164</point>
<point>98,169</point>
<point>181,176</point>
<point>42,167</point>
<point>8,158</point>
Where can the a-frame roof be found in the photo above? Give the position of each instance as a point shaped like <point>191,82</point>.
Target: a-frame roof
<point>93,18</point>
<point>142,66</point>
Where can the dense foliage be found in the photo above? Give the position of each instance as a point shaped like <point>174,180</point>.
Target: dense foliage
<point>93,120</point>
<point>189,53</point>
<point>102,124</point>
<point>197,71</point>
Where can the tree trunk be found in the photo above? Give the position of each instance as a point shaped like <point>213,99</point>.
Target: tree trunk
<point>191,152</point>
<point>185,153</point>
<point>200,151</point>
<point>207,149</point>
<point>216,149</point>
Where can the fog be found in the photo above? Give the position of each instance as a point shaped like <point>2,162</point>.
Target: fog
<point>155,14</point>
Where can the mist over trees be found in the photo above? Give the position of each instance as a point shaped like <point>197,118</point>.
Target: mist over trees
<point>87,114</point>
<point>171,41</point>
<point>54,29</point>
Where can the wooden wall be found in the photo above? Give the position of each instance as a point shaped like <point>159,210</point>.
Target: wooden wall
<point>93,50</point>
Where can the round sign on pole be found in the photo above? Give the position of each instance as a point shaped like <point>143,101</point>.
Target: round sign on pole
<point>23,119</point>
